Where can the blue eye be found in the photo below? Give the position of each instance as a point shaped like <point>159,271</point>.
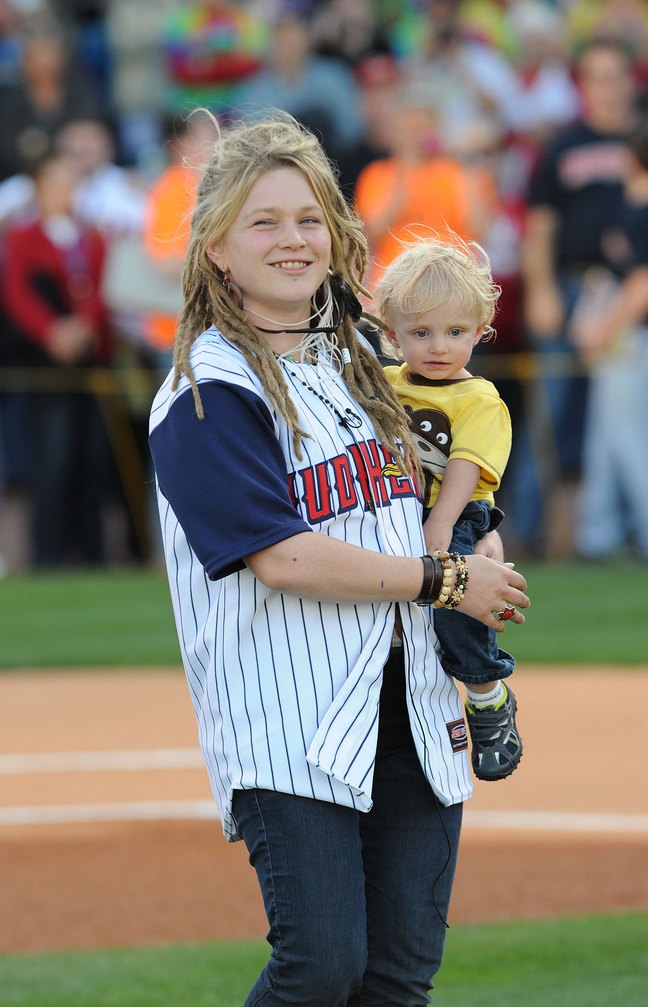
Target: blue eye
<point>421,333</point>
<point>456,332</point>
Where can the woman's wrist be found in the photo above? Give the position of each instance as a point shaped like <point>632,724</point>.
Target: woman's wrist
<point>438,579</point>
<point>445,579</point>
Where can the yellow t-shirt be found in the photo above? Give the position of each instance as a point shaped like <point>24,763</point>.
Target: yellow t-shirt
<point>463,418</point>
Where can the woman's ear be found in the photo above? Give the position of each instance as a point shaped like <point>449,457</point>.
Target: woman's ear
<point>215,253</point>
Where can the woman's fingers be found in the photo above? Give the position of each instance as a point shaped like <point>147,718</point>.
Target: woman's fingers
<point>492,587</point>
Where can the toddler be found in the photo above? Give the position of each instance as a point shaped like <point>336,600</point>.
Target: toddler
<point>437,300</point>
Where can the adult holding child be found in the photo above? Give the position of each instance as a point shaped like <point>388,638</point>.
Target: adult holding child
<point>294,546</point>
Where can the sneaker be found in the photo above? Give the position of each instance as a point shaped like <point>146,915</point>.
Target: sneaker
<point>496,744</point>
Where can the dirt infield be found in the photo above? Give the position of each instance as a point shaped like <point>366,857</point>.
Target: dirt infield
<point>87,754</point>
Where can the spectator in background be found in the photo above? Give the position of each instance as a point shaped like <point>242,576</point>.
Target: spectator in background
<point>209,48</point>
<point>624,20</point>
<point>579,173</point>
<point>350,30</point>
<point>85,23</point>
<point>319,91</point>
<point>418,188</point>
<point>547,97</point>
<point>169,205</point>
<point>108,197</point>
<point>51,281</point>
<point>470,79</point>
<point>614,337</point>
<point>10,43</point>
<point>139,81</point>
<point>378,80</point>
<point>47,94</point>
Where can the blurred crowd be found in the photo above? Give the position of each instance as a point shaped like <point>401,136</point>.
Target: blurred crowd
<point>521,124</point>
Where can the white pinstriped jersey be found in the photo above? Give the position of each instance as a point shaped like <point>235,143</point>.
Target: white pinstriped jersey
<point>286,690</point>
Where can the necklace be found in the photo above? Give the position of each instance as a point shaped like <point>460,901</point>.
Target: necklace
<point>348,419</point>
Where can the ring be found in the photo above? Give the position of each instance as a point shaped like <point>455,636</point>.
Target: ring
<point>507,613</point>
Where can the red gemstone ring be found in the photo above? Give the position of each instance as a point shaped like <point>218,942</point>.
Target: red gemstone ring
<point>507,613</point>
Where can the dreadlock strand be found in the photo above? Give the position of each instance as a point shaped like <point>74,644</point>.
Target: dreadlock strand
<point>259,355</point>
<point>365,378</point>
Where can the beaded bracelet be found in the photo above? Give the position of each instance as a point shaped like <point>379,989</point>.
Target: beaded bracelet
<point>461,583</point>
<point>432,580</point>
<point>448,578</point>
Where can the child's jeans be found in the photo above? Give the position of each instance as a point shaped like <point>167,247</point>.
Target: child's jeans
<point>469,650</point>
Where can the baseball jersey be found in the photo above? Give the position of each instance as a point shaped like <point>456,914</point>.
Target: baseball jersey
<point>462,418</point>
<point>286,689</point>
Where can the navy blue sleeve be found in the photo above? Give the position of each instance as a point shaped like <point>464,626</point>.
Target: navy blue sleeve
<point>225,476</point>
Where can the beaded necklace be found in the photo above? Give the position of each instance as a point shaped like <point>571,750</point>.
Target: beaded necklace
<point>348,418</point>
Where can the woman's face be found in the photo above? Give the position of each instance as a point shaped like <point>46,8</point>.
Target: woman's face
<point>278,248</point>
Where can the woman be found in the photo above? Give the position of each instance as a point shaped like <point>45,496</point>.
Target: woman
<point>292,526</point>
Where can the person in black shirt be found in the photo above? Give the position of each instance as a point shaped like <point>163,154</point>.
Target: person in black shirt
<point>614,337</point>
<point>580,171</point>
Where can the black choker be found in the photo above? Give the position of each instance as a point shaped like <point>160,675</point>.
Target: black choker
<point>328,329</point>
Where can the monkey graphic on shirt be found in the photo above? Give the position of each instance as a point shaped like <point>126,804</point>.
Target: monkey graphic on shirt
<point>433,439</point>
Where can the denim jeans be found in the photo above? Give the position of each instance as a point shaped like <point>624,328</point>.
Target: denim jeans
<point>469,650</point>
<point>356,901</point>
<point>614,496</point>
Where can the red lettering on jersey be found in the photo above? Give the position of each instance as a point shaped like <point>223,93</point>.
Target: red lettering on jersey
<point>291,490</point>
<point>400,485</point>
<point>317,494</point>
<point>374,465</point>
<point>363,476</point>
<point>343,482</point>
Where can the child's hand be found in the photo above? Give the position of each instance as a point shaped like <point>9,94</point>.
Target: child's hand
<point>437,535</point>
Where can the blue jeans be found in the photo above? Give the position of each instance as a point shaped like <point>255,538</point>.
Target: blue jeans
<point>470,651</point>
<point>548,437</point>
<point>356,901</point>
<point>614,499</point>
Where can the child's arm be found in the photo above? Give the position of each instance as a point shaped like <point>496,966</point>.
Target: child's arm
<point>457,487</point>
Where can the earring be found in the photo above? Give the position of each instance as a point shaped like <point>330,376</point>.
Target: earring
<point>232,289</point>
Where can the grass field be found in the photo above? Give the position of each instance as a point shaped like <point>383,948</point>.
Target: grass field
<point>582,614</point>
<point>586,615</point>
<point>574,962</point>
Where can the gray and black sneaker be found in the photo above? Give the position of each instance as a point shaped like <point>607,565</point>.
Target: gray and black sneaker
<point>496,744</point>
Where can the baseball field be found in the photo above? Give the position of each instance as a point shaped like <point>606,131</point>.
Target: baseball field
<point>119,891</point>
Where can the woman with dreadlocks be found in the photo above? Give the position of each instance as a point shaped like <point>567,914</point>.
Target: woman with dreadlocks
<point>333,738</point>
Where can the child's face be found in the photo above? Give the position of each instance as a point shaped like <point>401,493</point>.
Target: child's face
<point>437,343</point>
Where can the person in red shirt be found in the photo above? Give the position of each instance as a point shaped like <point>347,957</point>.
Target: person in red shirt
<point>52,273</point>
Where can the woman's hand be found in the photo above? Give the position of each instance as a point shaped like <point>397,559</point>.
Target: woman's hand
<point>490,545</point>
<point>491,587</point>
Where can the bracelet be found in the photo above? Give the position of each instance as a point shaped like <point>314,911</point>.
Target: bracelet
<point>462,581</point>
<point>432,580</point>
<point>447,584</point>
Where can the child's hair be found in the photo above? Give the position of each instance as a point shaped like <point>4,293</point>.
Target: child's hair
<point>434,271</point>
<point>242,153</point>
